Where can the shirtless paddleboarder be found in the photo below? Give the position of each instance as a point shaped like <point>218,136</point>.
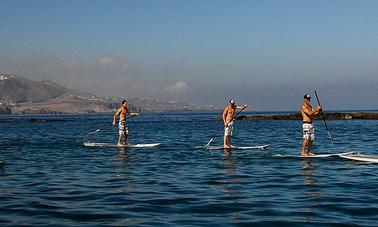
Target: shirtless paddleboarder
<point>228,120</point>
<point>122,125</point>
<point>308,128</point>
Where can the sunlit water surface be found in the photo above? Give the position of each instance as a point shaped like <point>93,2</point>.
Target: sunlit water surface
<point>50,178</point>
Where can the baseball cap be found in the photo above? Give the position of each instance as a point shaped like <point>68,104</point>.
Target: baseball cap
<point>307,96</point>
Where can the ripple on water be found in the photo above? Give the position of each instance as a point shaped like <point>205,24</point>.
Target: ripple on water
<point>51,179</point>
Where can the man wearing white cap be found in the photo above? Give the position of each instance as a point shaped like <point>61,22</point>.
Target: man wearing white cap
<point>308,128</point>
<point>228,117</point>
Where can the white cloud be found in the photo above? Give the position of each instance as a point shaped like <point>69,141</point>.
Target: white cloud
<point>106,76</point>
<point>178,88</point>
<point>122,86</point>
<point>112,60</point>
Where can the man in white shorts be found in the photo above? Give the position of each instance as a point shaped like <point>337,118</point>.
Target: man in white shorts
<point>308,128</point>
<point>228,120</point>
<point>122,125</point>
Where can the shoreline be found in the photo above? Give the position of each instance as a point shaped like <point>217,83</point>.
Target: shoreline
<point>328,116</point>
<point>251,116</point>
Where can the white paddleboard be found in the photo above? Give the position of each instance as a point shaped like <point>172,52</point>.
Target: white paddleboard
<point>361,157</point>
<point>262,147</point>
<point>314,156</point>
<point>141,145</point>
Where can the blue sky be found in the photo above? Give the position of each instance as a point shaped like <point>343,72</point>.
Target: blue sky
<point>263,53</point>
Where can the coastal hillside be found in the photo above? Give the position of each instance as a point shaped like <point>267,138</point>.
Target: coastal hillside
<point>16,89</point>
<point>19,95</point>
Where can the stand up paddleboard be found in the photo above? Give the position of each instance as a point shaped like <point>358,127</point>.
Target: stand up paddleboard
<point>315,155</point>
<point>361,158</point>
<point>261,147</point>
<point>140,145</point>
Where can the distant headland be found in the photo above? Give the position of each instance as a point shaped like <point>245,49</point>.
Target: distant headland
<point>22,96</point>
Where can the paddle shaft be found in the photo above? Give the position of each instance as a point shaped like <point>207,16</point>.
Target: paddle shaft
<point>224,127</point>
<point>100,129</point>
<point>321,112</point>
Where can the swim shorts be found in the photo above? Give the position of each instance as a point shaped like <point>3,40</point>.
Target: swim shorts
<point>122,128</point>
<point>308,131</point>
<point>229,128</point>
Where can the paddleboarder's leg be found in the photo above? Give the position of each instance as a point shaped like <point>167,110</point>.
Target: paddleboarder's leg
<point>229,141</point>
<point>119,140</point>
<point>305,139</point>
<point>126,134</point>
<point>308,137</point>
<point>309,147</point>
<point>225,141</point>
<point>228,134</point>
<point>311,137</point>
<point>122,131</point>
<point>303,152</point>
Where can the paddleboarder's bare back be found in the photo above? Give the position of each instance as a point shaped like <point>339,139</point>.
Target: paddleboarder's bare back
<point>308,129</point>
<point>227,116</point>
<point>122,126</point>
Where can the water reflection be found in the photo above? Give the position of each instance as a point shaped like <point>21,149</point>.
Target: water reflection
<point>312,193</point>
<point>232,181</point>
<point>230,171</point>
<point>308,167</point>
<point>123,157</point>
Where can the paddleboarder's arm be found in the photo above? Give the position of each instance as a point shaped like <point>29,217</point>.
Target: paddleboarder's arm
<point>115,116</point>
<point>224,115</point>
<point>318,110</point>
<point>131,113</point>
<point>241,107</point>
<point>310,112</point>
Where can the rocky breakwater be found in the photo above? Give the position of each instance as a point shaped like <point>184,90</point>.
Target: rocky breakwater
<point>5,109</point>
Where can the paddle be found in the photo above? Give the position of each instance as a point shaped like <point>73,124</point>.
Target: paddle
<point>99,129</point>
<point>321,112</point>
<point>214,136</point>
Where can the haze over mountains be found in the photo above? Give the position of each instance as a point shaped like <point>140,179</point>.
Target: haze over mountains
<point>19,95</point>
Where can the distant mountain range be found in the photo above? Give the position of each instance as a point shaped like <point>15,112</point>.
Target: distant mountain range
<point>22,96</point>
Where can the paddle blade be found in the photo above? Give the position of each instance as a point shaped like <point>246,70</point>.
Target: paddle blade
<point>94,131</point>
<point>330,137</point>
<point>208,144</point>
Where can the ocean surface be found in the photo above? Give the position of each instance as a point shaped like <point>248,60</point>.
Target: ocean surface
<point>50,178</point>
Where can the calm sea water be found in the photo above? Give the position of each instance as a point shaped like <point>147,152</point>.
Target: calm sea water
<point>51,179</point>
